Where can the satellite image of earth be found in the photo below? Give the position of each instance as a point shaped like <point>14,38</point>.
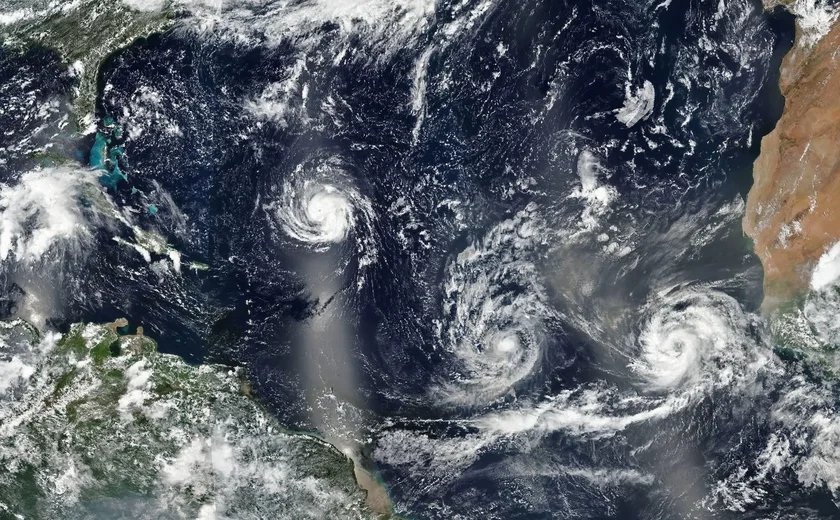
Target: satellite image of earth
<point>420,259</point>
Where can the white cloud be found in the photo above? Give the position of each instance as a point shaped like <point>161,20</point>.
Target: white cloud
<point>827,270</point>
<point>41,211</point>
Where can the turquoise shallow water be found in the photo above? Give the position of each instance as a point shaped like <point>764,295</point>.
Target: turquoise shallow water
<point>504,257</point>
<point>106,155</point>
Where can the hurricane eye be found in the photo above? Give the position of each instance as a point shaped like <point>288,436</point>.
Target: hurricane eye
<point>495,338</point>
<point>684,339</point>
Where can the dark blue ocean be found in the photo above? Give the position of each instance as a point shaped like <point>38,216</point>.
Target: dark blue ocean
<point>520,206</point>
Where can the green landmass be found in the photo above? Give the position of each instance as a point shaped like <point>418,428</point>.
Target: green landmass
<point>106,425</point>
<point>83,33</point>
<point>47,158</point>
<point>800,337</point>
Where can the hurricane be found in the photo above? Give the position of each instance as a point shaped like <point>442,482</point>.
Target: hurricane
<point>428,259</point>
<point>320,214</point>
<point>694,339</point>
<point>318,207</point>
<point>496,314</point>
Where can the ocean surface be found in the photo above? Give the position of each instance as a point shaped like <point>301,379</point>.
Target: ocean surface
<point>494,247</point>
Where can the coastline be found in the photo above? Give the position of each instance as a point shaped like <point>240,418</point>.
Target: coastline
<point>377,500</point>
<point>83,38</point>
<point>107,29</point>
<point>791,209</point>
<point>95,377</point>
